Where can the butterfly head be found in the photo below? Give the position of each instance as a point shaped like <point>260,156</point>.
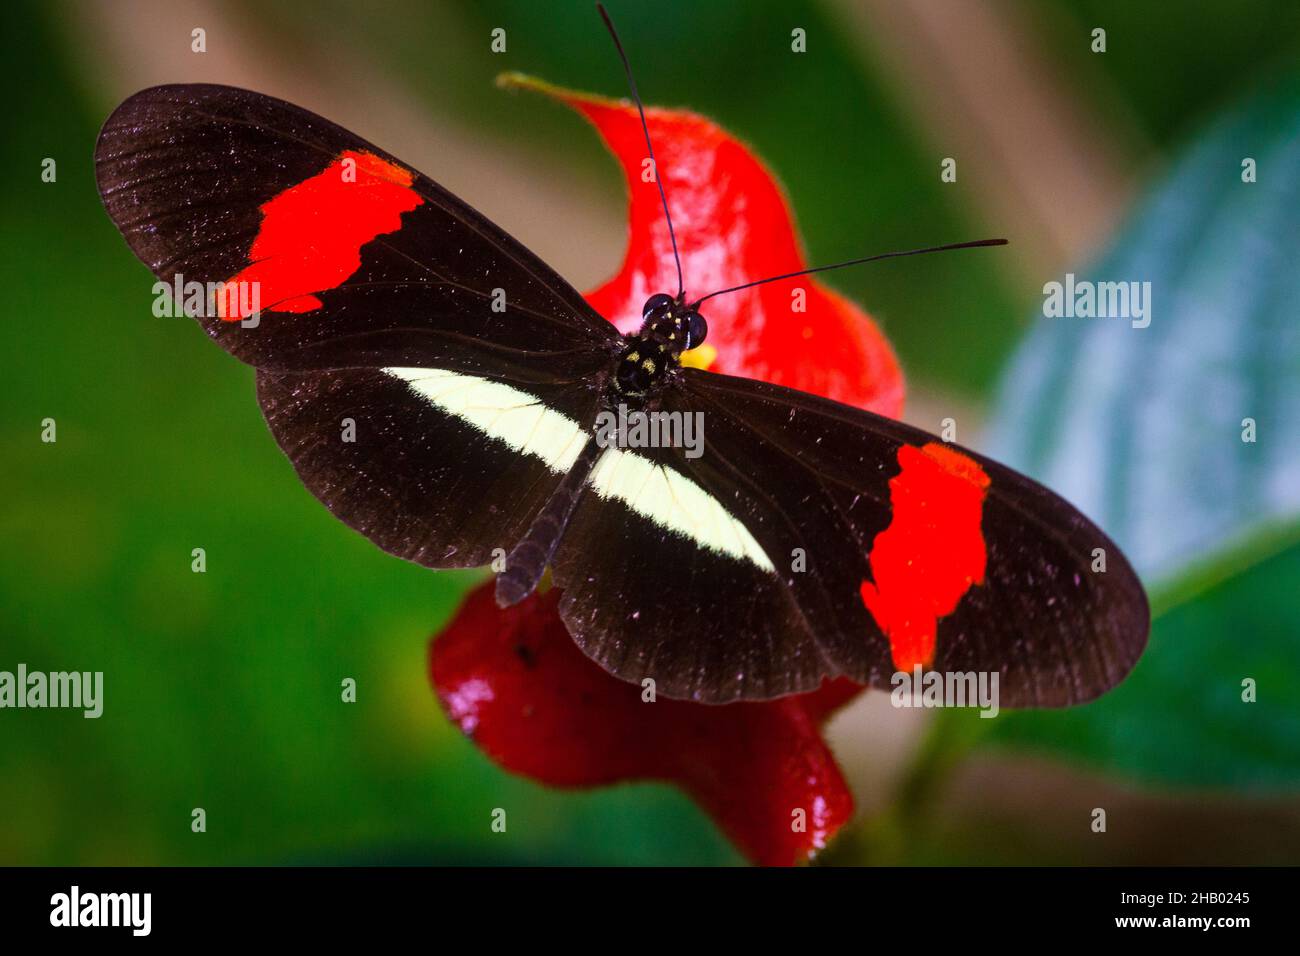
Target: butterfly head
<point>674,322</point>
<point>669,328</point>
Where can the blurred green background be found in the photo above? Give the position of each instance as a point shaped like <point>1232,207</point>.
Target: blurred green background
<point>223,688</point>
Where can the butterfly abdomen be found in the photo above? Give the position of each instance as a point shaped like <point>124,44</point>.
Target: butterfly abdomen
<point>528,559</point>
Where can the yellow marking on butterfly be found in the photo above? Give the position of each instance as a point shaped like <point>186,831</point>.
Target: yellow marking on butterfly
<point>700,358</point>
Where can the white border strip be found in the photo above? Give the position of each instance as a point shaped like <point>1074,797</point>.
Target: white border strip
<point>525,424</point>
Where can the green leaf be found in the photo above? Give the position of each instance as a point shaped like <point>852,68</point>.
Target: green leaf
<point>1181,717</point>
<point>1142,428</point>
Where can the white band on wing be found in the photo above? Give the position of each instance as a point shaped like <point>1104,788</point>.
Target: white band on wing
<point>499,411</point>
<point>673,501</point>
<point>527,425</point>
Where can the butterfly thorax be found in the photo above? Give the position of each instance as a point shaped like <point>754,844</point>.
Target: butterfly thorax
<point>644,364</point>
<point>649,357</point>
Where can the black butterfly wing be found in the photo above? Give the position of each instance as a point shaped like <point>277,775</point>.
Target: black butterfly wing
<point>439,468</point>
<point>666,575</point>
<point>886,549</point>
<point>427,375</point>
<point>355,258</point>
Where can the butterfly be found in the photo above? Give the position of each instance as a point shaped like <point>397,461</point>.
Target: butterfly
<point>441,390</point>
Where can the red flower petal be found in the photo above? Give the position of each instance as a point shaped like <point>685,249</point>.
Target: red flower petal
<point>733,226</point>
<point>514,681</point>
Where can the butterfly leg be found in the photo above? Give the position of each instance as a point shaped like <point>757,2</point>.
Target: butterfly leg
<point>528,559</point>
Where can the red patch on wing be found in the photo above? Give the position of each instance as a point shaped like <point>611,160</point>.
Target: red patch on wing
<point>311,234</point>
<point>933,551</point>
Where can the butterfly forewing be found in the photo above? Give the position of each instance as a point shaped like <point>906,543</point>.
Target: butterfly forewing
<point>425,372</point>
<point>887,549</point>
<point>354,258</point>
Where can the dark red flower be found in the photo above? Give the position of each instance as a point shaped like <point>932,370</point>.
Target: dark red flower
<point>733,225</point>
<point>514,680</point>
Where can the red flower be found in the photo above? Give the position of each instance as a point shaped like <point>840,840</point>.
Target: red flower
<point>514,680</point>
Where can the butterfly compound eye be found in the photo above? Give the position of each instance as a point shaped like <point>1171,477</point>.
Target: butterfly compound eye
<point>697,330</point>
<point>658,303</point>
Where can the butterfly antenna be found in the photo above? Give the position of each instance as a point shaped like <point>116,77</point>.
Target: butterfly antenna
<point>631,82</point>
<point>854,262</point>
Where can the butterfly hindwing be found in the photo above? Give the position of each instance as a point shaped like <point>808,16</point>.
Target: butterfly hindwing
<point>441,468</point>
<point>666,577</point>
